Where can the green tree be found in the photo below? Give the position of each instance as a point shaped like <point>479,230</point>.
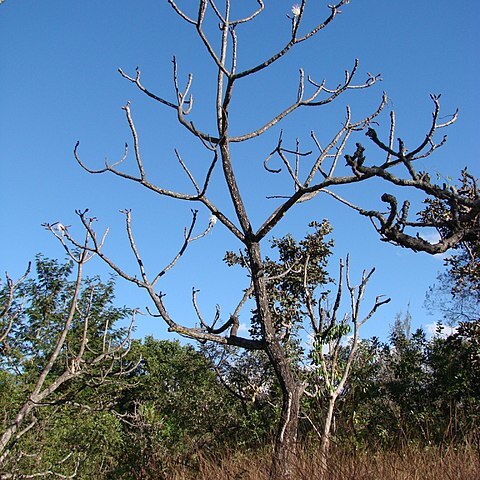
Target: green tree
<point>455,382</point>
<point>176,408</point>
<point>413,389</point>
<point>363,415</point>
<point>453,304</point>
<point>408,385</point>
<point>60,353</point>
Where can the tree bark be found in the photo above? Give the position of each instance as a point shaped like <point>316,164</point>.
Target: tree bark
<point>325,443</point>
<point>286,440</point>
<point>284,456</point>
<point>285,453</point>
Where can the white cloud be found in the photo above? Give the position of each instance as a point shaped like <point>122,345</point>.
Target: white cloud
<point>243,328</point>
<point>431,236</point>
<point>431,330</point>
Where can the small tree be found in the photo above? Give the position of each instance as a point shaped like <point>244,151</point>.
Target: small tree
<point>58,337</point>
<point>333,361</point>
<point>453,364</point>
<point>310,173</point>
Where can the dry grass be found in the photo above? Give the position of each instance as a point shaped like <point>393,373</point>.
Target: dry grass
<point>460,463</point>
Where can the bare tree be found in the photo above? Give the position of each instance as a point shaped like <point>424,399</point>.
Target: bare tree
<point>331,370</point>
<point>70,353</point>
<point>324,173</point>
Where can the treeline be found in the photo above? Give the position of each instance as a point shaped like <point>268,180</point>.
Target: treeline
<point>146,408</point>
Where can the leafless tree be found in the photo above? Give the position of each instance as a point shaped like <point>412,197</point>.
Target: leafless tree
<point>330,331</point>
<point>68,360</point>
<point>325,173</point>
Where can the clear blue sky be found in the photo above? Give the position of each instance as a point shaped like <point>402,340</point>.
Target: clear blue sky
<point>59,84</point>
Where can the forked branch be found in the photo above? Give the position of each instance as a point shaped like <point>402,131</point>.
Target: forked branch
<point>202,334</point>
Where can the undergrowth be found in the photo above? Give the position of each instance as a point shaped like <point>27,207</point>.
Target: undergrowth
<point>411,463</point>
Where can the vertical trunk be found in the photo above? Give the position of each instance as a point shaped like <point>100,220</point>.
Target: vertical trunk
<point>292,390</point>
<point>325,444</point>
<point>286,441</point>
<point>285,453</point>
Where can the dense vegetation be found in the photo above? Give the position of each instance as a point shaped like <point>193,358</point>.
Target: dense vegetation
<point>178,409</point>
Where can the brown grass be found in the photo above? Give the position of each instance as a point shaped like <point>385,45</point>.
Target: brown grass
<point>452,463</point>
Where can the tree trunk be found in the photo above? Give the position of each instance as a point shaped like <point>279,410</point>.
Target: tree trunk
<point>285,453</point>
<point>325,444</point>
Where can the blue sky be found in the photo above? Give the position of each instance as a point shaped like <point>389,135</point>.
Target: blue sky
<point>59,84</point>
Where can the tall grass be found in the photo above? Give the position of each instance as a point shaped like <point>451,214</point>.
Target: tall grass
<point>435,463</point>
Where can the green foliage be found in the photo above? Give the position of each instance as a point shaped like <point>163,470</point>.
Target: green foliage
<point>463,305</point>
<point>179,401</point>
<point>73,425</point>
<point>297,262</point>
<point>293,263</point>
<point>92,439</point>
<point>413,390</point>
<point>43,304</point>
<point>176,407</point>
<point>464,265</point>
<point>249,377</point>
<point>455,363</point>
